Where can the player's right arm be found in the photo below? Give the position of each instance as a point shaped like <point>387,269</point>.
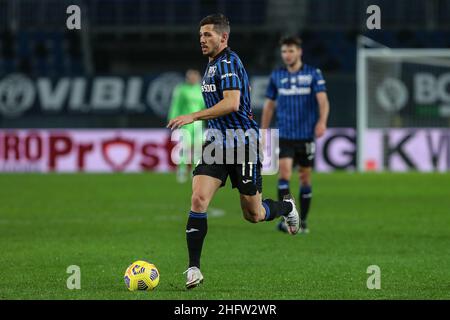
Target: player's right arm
<point>268,110</point>
<point>231,85</point>
<point>269,104</point>
<point>230,103</point>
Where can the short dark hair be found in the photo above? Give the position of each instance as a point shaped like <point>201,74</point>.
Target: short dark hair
<point>220,22</point>
<point>291,40</point>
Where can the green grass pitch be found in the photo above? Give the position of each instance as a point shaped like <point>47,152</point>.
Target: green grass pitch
<point>102,223</point>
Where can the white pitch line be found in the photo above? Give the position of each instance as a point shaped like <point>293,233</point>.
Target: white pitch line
<point>215,213</point>
<point>212,213</point>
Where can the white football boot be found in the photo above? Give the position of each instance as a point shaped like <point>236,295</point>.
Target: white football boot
<point>194,277</point>
<point>292,220</point>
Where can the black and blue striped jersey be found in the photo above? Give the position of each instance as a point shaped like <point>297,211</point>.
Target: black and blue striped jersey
<point>297,109</point>
<point>226,72</point>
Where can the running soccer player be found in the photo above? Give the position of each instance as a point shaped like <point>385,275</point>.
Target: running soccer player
<point>187,98</point>
<point>226,92</point>
<point>297,92</point>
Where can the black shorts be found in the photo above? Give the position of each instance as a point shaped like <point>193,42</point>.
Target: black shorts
<point>302,151</point>
<point>246,177</point>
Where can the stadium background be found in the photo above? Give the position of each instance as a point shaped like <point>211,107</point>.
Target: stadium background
<point>53,117</point>
<point>142,49</point>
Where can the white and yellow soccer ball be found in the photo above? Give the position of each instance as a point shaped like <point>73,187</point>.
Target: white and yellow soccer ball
<point>141,275</point>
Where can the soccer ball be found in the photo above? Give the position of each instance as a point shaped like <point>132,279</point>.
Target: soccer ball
<point>141,275</point>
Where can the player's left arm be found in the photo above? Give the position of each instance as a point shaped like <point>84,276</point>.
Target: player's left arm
<point>324,110</point>
<point>320,90</point>
<point>230,103</point>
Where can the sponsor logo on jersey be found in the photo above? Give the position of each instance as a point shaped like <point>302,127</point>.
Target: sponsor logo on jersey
<point>294,91</point>
<point>209,88</point>
<point>228,75</point>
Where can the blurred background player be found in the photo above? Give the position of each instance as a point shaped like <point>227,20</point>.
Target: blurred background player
<point>187,98</point>
<point>297,92</point>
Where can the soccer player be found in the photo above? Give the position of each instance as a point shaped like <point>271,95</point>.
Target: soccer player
<point>297,92</point>
<point>187,98</point>
<point>226,92</point>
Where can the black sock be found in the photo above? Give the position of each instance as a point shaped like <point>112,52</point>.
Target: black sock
<point>196,229</point>
<point>283,188</point>
<point>305,201</point>
<point>276,208</point>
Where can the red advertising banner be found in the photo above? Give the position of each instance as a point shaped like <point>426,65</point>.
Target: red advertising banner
<point>85,150</point>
